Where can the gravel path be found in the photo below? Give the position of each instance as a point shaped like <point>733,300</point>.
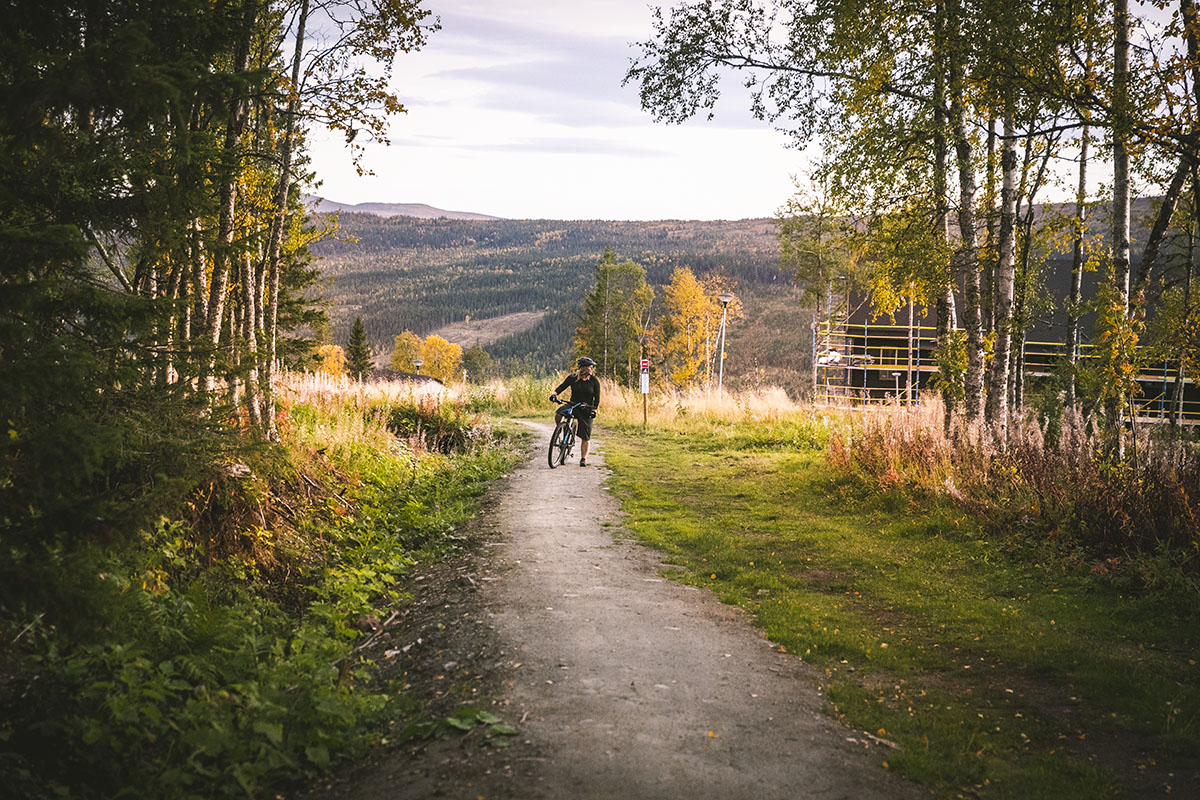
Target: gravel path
<point>624,685</point>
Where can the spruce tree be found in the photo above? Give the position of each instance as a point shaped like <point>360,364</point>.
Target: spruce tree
<point>358,352</point>
<point>477,362</point>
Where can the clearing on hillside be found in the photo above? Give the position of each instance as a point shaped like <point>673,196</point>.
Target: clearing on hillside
<point>485,331</point>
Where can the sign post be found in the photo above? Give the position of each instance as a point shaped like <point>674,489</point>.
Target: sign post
<point>645,388</point>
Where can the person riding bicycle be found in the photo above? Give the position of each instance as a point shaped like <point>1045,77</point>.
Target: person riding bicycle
<point>585,388</point>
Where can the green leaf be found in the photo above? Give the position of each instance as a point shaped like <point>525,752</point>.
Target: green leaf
<point>487,718</point>
<point>461,724</point>
<point>272,730</point>
<point>318,754</point>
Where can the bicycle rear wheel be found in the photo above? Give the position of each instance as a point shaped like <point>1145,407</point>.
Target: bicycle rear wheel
<point>559,443</point>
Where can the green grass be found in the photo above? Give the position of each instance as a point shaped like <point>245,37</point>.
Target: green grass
<point>997,674</point>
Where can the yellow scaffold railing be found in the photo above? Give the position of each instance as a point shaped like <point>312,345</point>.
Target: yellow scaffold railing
<point>864,363</point>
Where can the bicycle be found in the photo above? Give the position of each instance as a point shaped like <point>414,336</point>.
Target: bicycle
<point>562,441</point>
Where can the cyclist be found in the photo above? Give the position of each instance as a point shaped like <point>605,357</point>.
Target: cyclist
<point>585,388</point>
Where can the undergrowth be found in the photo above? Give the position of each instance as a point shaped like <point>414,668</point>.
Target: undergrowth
<point>212,653</point>
<point>1052,490</point>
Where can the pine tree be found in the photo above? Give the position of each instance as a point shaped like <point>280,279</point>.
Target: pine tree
<point>358,352</point>
<point>477,363</point>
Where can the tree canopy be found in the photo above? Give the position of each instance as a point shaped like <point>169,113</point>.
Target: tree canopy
<point>155,251</point>
<point>943,124</point>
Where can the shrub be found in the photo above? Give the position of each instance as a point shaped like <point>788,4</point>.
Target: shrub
<point>438,425</point>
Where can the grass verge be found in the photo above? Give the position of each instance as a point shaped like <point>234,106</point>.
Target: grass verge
<point>994,673</point>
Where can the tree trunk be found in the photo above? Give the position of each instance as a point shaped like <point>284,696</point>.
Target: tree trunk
<point>230,171</point>
<point>969,250</point>
<point>908,375</point>
<point>1075,302</point>
<point>1191,34</point>
<point>989,261</point>
<point>1022,315</point>
<point>1179,388</point>
<point>278,222</point>
<point>199,281</point>
<point>815,349</point>
<point>1121,195</point>
<point>998,384</point>
<point>172,327</point>
<point>250,336</point>
<point>1154,241</point>
<point>1120,145</point>
<point>233,362</point>
<point>940,188</point>
<point>1018,373</point>
<point>1020,323</point>
<point>707,355</point>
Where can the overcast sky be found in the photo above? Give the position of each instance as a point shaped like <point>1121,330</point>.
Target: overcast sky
<point>516,109</point>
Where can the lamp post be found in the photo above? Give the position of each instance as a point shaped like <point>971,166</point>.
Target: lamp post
<point>897,375</point>
<point>724,298</point>
<point>417,363</point>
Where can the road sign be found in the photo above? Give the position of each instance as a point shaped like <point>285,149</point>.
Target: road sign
<point>645,365</point>
<point>645,383</point>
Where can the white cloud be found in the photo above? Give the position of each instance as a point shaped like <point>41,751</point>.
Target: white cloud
<point>516,109</point>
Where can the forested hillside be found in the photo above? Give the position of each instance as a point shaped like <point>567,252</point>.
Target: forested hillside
<point>418,274</point>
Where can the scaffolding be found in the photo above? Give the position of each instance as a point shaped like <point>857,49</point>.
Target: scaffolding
<point>856,364</point>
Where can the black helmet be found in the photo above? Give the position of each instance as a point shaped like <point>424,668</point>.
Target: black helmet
<point>586,362</point>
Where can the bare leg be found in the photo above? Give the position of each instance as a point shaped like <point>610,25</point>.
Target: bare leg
<point>583,447</point>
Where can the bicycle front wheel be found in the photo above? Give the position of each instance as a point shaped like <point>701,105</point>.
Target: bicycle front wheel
<point>569,447</point>
<point>559,443</point>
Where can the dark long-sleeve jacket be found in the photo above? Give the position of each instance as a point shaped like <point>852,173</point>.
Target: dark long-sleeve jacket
<point>582,391</point>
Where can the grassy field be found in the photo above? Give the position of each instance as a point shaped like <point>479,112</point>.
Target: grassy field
<point>993,671</point>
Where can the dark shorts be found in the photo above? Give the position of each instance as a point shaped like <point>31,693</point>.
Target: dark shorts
<point>584,429</point>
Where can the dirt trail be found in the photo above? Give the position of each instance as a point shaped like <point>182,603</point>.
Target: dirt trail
<point>624,685</point>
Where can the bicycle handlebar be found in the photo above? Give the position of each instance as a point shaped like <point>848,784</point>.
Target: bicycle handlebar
<point>576,405</point>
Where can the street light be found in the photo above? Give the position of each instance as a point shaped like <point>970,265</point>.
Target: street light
<point>897,375</point>
<point>417,363</point>
<point>724,298</point>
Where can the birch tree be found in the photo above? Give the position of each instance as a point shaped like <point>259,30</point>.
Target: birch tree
<point>678,335</point>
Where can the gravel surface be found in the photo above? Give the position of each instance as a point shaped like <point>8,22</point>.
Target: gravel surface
<point>622,684</point>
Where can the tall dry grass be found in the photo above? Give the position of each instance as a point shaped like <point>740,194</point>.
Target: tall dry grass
<point>319,387</point>
<point>394,417</point>
<point>1054,482</point>
<point>666,406</point>
<point>620,404</point>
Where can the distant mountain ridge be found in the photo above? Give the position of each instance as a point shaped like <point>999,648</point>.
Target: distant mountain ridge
<point>323,205</point>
